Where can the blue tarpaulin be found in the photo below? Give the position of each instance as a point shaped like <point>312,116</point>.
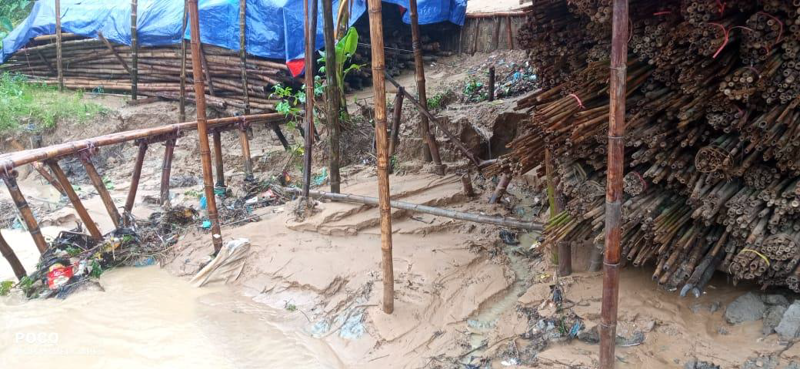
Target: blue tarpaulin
<point>274,27</point>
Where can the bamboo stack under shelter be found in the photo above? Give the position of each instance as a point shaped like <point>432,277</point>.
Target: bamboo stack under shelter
<point>100,66</point>
<point>712,136</point>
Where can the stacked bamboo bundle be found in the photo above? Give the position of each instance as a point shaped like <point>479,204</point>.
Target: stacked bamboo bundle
<point>96,64</point>
<point>712,133</point>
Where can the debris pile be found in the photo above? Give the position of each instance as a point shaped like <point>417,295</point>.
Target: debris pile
<point>712,133</point>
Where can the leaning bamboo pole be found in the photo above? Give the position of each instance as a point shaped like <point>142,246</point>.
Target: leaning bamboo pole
<point>9,176</point>
<point>614,194</point>
<point>202,126</point>
<point>379,99</point>
<point>59,61</point>
<point>332,97</point>
<point>311,35</point>
<point>425,209</point>
<point>11,257</point>
<point>15,159</point>
<point>135,176</point>
<point>83,214</point>
<point>135,50</point>
<point>431,149</point>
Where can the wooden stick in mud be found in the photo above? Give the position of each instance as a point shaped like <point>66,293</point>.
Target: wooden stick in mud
<point>98,184</point>
<point>10,178</point>
<point>59,62</point>
<point>244,141</point>
<point>311,35</point>
<point>75,200</point>
<point>379,86</point>
<point>219,165</point>
<point>278,133</point>
<point>431,151</point>
<point>614,195</point>
<point>134,50</point>
<point>333,94</point>
<point>166,170</point>
<point>11,257</point>
<point>137,174</point>
<point>398,114</point>
<point>556,207</point>
<point>402,205</point>
<point>491,83</point>
<point>500,190</point>
<point>202,126</point>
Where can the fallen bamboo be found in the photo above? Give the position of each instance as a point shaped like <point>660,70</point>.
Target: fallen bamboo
<point>15,159</point>
<point>202,127</point>
<point>83,214</point>
<point>11,257</point>
<point>379,101</point>
<point>10,178</point>
<point>417,208</point>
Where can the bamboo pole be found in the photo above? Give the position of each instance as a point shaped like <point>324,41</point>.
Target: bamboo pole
<point>134,50</point>
<point>219,165</point>
<point>207,71</point>
<point>182,104</point>
<point>502,185</point>
<point>311,35</point>
<point>114,51</point>
<point>244,141</point>
<point>59,59</point>
<point>18,158</point>
<point>202,126</point>
<point>491,83</point>
<point>431,150</point>
<point>613,211</point>
<point>166,171</point>
<point>333,94</point>
<point>243,53</point>
<point>278,133</point>
<point>75,200</point>
<point>398,114</point>
<point>98,184</point>
<point>137,174</point>
<point>11,257</point>
<point>556,207</point>
<point>10,178</point>
<point>466,183</point>
<point>402,205</point>
<point>379,86</point>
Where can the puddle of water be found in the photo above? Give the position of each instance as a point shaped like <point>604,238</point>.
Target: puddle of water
<point>149,319</point>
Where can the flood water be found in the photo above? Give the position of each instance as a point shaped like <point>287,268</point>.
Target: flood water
<point>147,318</point>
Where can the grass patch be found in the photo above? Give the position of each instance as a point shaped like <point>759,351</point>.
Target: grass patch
<point>35,106</point>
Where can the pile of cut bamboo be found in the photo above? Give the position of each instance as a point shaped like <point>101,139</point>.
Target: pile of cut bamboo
<point>712,142</point>
<point>97,64</point>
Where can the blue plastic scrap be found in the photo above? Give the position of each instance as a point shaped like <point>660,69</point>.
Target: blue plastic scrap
<point>274,27</point>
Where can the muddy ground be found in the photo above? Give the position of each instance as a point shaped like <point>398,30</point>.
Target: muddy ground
<point>466,297</point>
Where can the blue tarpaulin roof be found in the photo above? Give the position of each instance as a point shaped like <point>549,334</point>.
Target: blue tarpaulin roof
<point>274,27</point>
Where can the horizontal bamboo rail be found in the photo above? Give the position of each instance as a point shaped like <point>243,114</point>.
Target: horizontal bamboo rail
<point>12,160</point>
<point>402,205</point>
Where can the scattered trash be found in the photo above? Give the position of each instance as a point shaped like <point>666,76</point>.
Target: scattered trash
<point>58,276</point>
<point>509,238</point>
<point>206,224</point>
<point>321,178</point>
<point>226,266</point>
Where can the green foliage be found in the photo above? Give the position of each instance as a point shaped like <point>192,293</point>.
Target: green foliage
<point>26,284</point>
<point>345,48</point>
<point>290,306</point>
<point>474,91</point>
<point>40,105</point>
<point>11,13</point>
<point>435,102</point>
<point>193,193</point>
<point>97,270</point>
<point>73,251</point>
<point>108,183</point>
<point>5,287</point>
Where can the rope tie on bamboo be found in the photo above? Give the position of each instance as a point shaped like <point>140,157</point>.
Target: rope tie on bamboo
<point>6,170</point>
<point>641,180</point>
<point>757,253</point>
<point>578,100</point>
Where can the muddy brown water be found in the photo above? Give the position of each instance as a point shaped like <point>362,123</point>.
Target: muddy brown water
<point>148,318</point>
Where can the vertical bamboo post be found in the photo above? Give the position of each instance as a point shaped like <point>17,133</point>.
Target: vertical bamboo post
<point>13,260</point>
<point>311,35</point>
<point>491,83</point>
<point>243,53</point>
<point>182,108</point>
<point>510,28</point>
<point>379,86</point>
<point>137,174</point>
<point>134,50</point>
<point>466,183</point>
<point>10,178</point>
<point>202,126</point>
<point>166,171</point>
<point>98,184</point>
<point>333,97</point>
<point>244,141</point>
<point>219,167</point>
<point>59,64</point>
<point>616,158</point>
<point>556,206</point>
<point>430,150</point>
<point>398,114</point>
<point>75,200</point>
